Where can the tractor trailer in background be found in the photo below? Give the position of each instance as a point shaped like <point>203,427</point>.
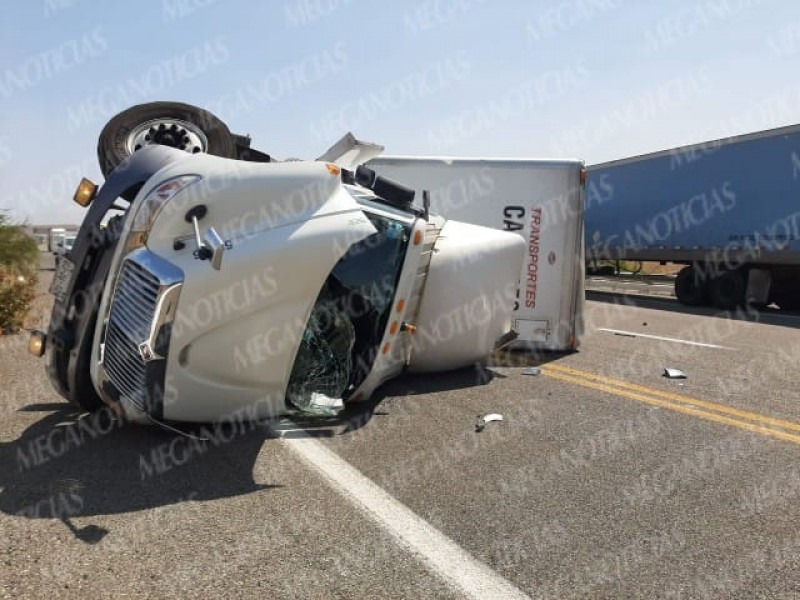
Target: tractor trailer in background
<point>728,209</point>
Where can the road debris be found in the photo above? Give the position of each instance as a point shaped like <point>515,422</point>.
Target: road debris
<point>532,371</point>
<point>488,418</point>
<point>671,373</point>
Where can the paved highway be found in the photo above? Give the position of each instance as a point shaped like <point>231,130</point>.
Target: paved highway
<point>604,480</point>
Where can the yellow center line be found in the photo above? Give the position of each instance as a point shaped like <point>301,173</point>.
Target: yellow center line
<point>729,410</point>
<point>709,416</point>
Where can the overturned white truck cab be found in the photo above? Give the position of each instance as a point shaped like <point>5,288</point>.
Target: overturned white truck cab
<point>202,286</point>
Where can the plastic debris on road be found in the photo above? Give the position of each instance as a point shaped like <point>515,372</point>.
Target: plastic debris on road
<point>532,371</point>
<point>488,418</point>
<point>671,373</point>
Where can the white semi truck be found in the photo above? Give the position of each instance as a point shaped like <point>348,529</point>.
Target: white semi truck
<point>209,280</point>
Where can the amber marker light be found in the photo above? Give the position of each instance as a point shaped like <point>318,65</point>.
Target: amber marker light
<point>85,193</point>
<point>36,343</point>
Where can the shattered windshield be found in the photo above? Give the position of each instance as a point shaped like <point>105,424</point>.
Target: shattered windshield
<point>344,331</point>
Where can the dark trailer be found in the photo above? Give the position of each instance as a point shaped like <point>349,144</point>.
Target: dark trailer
<point>729,209</point>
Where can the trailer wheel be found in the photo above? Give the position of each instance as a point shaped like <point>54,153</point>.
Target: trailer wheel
<point>173,124</point>
<point>689,289</point>
<point>792,304</point>
<point>787,300</point>
<point>728,290</point>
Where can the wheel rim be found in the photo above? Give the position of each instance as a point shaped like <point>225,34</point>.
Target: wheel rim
<point>167,132</point>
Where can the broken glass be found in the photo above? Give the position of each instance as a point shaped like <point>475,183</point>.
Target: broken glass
<point>348,319</point>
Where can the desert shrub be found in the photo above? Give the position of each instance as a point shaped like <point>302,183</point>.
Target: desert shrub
<point>19,258</point>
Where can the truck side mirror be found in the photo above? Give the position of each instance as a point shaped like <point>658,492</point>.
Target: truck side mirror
<point>216,245</point>
<point>211,246</point>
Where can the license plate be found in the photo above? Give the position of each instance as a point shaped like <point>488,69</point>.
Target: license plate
<point>62,277</point>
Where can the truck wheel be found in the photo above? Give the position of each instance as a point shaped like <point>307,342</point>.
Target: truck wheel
<point>173,124</point>
<point>728,290</point>
<point>788,301</point>
<point>689,289</point>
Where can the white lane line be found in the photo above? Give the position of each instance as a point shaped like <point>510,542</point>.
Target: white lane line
<point>664,339</point>
<point>439,552</point>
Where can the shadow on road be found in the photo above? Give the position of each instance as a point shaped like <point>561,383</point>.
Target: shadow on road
<point>68,465</point>
<point>358,414</point>
<point>767,316</point>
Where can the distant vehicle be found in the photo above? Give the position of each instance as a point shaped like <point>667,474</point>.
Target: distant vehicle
<point>541,200</point>
<point>64,246</point>
<point>55,237</point>
<point>240,285</point>
<point>728,209</point>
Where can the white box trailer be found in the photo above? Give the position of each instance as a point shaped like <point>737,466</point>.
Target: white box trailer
<point>541,200</point>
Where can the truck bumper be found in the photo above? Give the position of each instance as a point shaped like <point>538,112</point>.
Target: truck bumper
<point>72,322</point>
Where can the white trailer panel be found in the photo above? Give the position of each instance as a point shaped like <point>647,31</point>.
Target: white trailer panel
<point>543,201</point>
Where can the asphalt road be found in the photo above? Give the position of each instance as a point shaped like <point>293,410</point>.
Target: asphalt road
<point>604,480</point>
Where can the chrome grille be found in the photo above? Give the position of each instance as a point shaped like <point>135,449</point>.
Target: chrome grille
<point>129,323</point>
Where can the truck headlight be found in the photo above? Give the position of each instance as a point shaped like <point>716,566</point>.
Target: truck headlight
<point>157,198</point>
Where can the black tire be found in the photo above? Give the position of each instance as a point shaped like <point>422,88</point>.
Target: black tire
<point>788,301</point>
<point>113,145</point>
<point>728,290</point>
<point>689,289</point>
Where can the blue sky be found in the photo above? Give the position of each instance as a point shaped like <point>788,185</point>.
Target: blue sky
<point>593,79</point>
